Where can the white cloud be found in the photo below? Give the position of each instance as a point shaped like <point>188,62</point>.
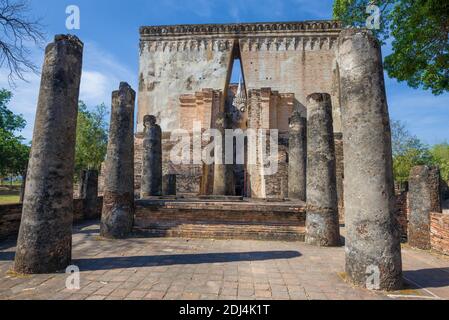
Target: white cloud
<point>102,73</point>
<point>93,87</point>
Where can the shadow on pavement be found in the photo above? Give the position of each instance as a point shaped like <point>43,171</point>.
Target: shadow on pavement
<point>181,259</point>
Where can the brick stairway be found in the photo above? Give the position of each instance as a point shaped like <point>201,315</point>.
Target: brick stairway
<point>221,218</point>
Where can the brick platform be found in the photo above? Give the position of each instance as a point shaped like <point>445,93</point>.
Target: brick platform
<point>221,218</point>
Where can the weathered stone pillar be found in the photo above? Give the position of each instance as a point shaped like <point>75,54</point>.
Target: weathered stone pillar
<point>207,179</point>
<point>339,160</point>
<point>169,185</point>
<point>151,159</point>
<point>322,225</point>
<point>424,198</point>
<point>89,193</point>
<point>45,238</point>
<point>372,241</point>
<point>220,169</point>
<point>297,157</point>
<point>118,200</point>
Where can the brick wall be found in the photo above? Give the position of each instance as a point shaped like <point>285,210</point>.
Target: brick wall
<point>10,216</point>
<point>402,213</point>
<point>300,68</point>
<point>276,186</point>
<point>439,221</point>
<point>268,109</point>
<point>439,232</point>
<point>201,106</point>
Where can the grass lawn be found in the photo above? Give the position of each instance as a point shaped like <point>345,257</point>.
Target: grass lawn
<point>9,195</point>
<point>9,199</point>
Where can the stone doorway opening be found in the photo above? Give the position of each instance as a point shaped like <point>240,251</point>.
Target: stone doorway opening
<point>237,110</point>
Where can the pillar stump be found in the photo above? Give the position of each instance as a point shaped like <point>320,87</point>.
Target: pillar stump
<point>169,185</point>
<point>45,238</point>
<point>118,201</point>
<point>89,193</point>
<point>322,224</point>
<point>220,169</point>
<point>424,198</point>
<point>151,159</point>
<point>373,239</point>
<point>297,157</point>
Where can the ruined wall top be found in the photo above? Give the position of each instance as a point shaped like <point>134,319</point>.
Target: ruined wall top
<point>234,30</point>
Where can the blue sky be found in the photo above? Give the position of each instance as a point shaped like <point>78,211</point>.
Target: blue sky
<point>109,30</point>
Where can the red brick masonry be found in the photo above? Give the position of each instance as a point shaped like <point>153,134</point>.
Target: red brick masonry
<point>439,232</point>
<point>11,214</point>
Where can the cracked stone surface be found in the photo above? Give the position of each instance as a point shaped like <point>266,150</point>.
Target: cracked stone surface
<point>168,268</point>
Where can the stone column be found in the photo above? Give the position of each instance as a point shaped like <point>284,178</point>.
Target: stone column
<point>169,185</point>
<point>220,169</point>
<point>207,179</point>
<point>322,225</point>
<point>45,238</point>
<point>373,240</point>
<point>118,200</point>
<point>151,159</point>
<point>339,160</point>
<point>297,158</point>
<point>89,193</point>
<point>424,198</point>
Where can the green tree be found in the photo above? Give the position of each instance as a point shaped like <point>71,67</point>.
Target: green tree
<point>14,153</point>
<point>408,151</point>
<point>91,137</point>
<point>420,38</point>
<point>8,120</point>
<point>440,157</point>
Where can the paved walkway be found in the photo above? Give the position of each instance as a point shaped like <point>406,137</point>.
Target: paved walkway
<point>145,268</point>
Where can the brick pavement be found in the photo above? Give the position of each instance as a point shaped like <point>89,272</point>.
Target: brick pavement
<point>172,269</point>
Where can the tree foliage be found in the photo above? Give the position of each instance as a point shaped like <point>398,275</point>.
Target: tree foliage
<point>8,120</point>
<point>14,153</point>
<point>419,30</point>
<point>440,157</point>
<point>91,137</point>
<point>408,151</point>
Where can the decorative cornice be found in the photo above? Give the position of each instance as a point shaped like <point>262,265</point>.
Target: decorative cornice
<point>290,43</point>
<point>256,43</point>
<point>235,30</point>
<point>189,45</point>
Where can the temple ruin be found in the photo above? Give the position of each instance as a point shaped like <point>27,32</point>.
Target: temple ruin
<point>317,92</point>
<point>185,76</point>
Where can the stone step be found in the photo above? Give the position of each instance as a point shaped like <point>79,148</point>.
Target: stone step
<point>221,220</point>
<point>226,198</point>
<point>224,231</point>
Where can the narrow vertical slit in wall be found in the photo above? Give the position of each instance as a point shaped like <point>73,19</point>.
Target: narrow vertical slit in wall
<point>236,109</point>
